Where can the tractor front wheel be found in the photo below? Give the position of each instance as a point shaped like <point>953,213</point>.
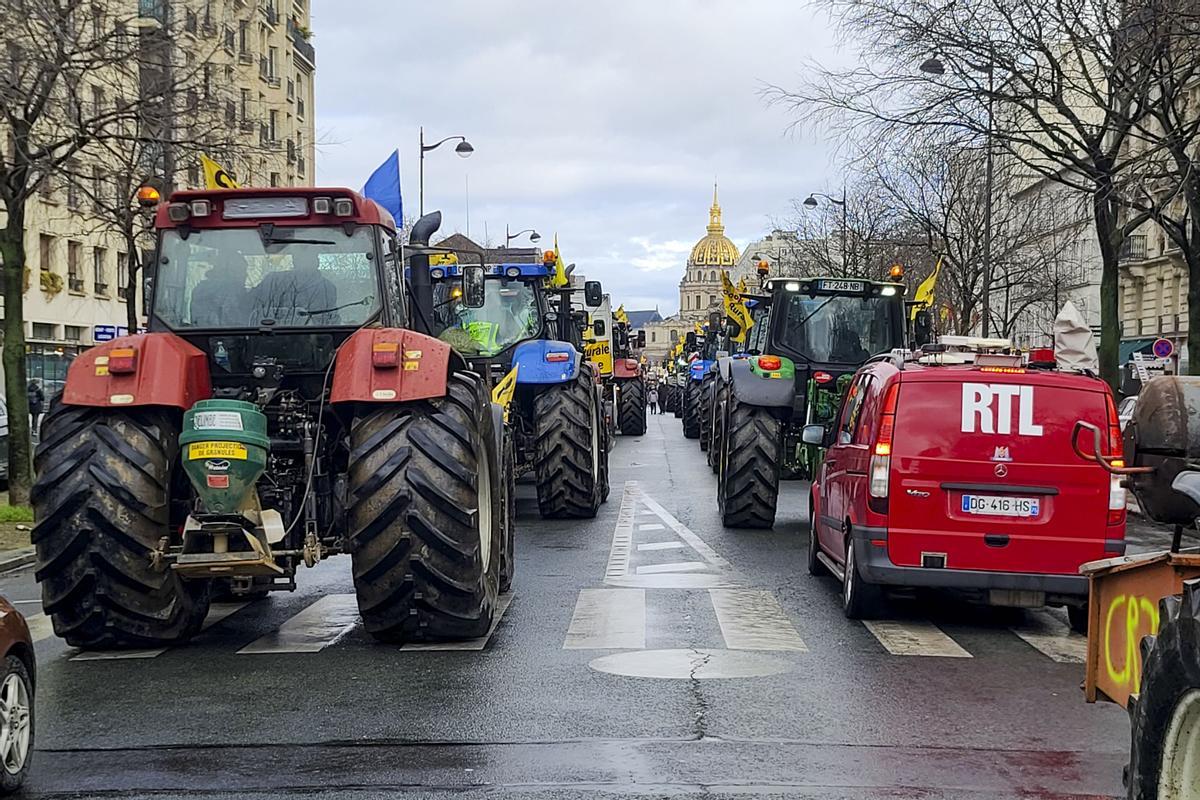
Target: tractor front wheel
<point>691,409</point>
<point>706,408</point>
<point>632,407</point>
<point>427,515</point>
<point>748,475</point>
<point>102,502</point>
<point>569,458</point>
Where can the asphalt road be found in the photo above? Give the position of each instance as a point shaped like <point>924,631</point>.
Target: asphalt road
<point>648,652</point>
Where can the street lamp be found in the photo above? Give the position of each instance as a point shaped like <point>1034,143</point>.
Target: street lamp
<point>464,150</point>
<point>934,66</point>
<point>534,236</point>
<point>811,202</point>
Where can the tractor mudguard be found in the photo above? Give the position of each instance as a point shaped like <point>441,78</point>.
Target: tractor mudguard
<point>724,362</point>
<point>761,389</point>
<point>166,371</point>
<point>534,359</point>
<point>388,365</point>
<point>698,369</point>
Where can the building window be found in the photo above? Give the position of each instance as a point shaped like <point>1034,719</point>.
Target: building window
<point>712,299</point>
<point>46,252</point>
<point>653,336</point>
<point>99,273</point>
<point>712,276</point>
<point>273,125</point>
<point>244,36</point>
<point>97,101</point>
<point>72,185</point>
<point>73,333</point>
<point>274,178</point>
<point>43,330</point>
<point>699,302</point>
<point>122,276</point>
<point>74,276</point>
<point>245,105</point>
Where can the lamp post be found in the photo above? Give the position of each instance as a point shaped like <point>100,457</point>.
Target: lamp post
<point>464,150</point>
<point>934,66</point>
<point>534,236</point>
<point>811,202</point>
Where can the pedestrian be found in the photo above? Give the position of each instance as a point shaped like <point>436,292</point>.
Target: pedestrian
<point>652,399</point>
<point>37,400</point>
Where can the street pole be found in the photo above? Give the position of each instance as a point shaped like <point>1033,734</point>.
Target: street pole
<point>845,226</point>
<point>421,183</point>
<point>988,180</point>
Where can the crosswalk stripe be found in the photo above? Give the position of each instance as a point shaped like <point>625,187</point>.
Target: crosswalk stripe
<point>661,546</point>
<point>216,613</point>
<point>40,626</point>
<point>680,566</point>
<point>651,526</point>
<point>1053,638</point>
<point>313,629</point>
<point>608,619</point>
<point>915,639</point>
<point>752,619</point>
<point>468,644</point>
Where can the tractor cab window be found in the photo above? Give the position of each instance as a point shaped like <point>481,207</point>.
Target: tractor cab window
<point>839,329</point>
<point>510,314</point>
<point>757,338</point>
<point>247,277</point>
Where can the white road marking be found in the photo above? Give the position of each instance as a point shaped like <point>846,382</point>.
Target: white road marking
<point>313,629</point>
<point>660,546</point>
<point>681,566</point>
<point>40,627</point>
<point>651,526</point>
<point>618,556</point>
<point>468,644</point>
<point>1053,638</point>
<point>216,613</point>
<point>691,664</point>
<point>608,619</point>
<point>685,533</point>
<point>752,619</point>
<point>915,639</point>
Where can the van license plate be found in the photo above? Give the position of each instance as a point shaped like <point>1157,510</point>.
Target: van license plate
<point>997,506</point>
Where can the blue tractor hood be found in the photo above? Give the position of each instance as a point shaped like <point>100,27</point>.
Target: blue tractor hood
<point>542,361</point>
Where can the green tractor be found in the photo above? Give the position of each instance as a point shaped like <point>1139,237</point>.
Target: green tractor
<point>813,335</point>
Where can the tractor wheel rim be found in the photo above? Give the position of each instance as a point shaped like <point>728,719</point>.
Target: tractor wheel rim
<point>485,511</point>
<point>16,723</point>
<point>1180,773</point>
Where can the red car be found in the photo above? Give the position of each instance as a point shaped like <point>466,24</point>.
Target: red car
<point>963,477</point>
<point>17,673</point>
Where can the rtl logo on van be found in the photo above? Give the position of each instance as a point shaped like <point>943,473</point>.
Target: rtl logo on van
<point>988,408</point>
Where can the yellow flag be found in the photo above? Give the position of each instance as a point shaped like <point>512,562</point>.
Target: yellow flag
<point>620,316</point>
<point>560,278</point>
<point>699,328</point>
<point>923,298</point>
<point>742,286</point>
<point>215,176</point>
<point>736,308</point>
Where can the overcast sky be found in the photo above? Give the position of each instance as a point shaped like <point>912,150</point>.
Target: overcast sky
<point>605,122</point>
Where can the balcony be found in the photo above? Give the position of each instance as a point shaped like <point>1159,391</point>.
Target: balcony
<point>152,13</point>
<point>1134,248</point>
<point>75,285</point>
<point>270,14</point>
<point>300,42</point>
<point>102,289</point>
<point>246,57</point>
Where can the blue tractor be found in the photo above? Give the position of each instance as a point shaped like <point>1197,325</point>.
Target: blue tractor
<point>526,339</point>
<point>704,347</point>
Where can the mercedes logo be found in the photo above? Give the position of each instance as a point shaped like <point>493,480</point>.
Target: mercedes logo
<point>1001,470</point>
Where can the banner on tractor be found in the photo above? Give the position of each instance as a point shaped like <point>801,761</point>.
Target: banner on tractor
<point>600,354</point>
<point>736,308</point>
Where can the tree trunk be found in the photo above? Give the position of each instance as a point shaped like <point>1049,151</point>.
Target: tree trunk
<point>1109,237</point>
<point>20,456</point>
<point>1192,255</point>
<point>132,271</point>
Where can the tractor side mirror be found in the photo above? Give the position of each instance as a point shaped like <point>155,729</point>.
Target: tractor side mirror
<point>714,320</point>
<point>474,288</point>
<point>593,294</point>
<point>813,434</point>
<point>641,339</point>
<point>690,341</point>
<point>598,328</point>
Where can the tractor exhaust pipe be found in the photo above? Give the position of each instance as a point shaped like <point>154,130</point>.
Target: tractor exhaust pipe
<point>422,285</point>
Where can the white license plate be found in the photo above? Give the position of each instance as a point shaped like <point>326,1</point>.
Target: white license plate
<point>999,506</point>
<point>840,286</point>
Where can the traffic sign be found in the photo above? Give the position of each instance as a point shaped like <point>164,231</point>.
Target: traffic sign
<point>1163,348</point>
<point>104,333</point>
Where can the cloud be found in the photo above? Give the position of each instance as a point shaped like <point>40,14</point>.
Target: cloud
<point>604,122</point>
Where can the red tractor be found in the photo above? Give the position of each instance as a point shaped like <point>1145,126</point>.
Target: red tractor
<point>279,410</point>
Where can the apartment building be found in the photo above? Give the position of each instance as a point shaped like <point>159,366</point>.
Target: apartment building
<point>255,63</point>
<point>1154,285</point>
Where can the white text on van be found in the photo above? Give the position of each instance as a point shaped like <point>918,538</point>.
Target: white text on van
<point>988,408</point>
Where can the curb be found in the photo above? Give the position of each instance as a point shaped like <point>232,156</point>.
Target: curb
<point>16,559</point>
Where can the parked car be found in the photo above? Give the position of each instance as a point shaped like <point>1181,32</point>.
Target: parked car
<point>963,477</point>
<point>17,681</point>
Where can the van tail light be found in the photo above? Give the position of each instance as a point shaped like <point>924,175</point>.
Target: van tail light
<point>881,454</point>
<point>122,361</point>
<point>1116,450</point>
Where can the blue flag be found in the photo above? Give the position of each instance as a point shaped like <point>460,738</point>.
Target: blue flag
<point>384,187</point>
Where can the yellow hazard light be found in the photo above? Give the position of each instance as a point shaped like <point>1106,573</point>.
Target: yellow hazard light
<point>148,196</point>
<point>896,272</point>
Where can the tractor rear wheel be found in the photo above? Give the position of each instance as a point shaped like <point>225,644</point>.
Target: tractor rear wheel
<point>508,554</point>
<point>748,478</point>
<point>1164,761</point>
<point>426,515</point>
<point>691,409</point>
<point>717,432</point>
<point>102,503</point>
<point>632,409</point>
<point>706,408</point>
<point>568,460</point>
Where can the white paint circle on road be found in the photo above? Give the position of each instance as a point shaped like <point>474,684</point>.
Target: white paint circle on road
<point>692,663</point>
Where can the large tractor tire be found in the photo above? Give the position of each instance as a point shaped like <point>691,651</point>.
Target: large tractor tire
<point>706,407</point>
<point>569,458</point>
<point>508,482</point>
<point>691,409</point>
<point>1164,759</point>
<point>748,477</point>
<point>678,396</point>
<point>631,414</point>
<point>426,515</point>
<point>106,484</point>
<point>717,431</point>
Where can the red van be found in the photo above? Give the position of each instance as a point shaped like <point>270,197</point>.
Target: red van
<point>962,477</point>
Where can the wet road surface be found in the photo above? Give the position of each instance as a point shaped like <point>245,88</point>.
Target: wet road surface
<point>648,652</point>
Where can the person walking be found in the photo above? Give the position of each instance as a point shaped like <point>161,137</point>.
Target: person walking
<point>652,400</point>
<point>37,401</point>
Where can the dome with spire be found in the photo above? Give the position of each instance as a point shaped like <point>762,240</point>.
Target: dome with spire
<point>715,249</point>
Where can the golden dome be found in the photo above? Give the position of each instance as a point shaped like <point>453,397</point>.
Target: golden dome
<point>714,250</point>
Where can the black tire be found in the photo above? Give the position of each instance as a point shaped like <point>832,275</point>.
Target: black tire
<point>748,478</point>
<point>860,599</point>
<point>569,455</point>
<point>815,567</point>
<point>679,395</point>
<point>706,408</point>
<point>1170,693</point>
<point>424,484</point>
<point>106,484</point>
<point>631,413</point>
<point>14,765</point>
<point>720,394</point>
<point>691,409</point>
<point>508,549</point>
<point>1077,616</point>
